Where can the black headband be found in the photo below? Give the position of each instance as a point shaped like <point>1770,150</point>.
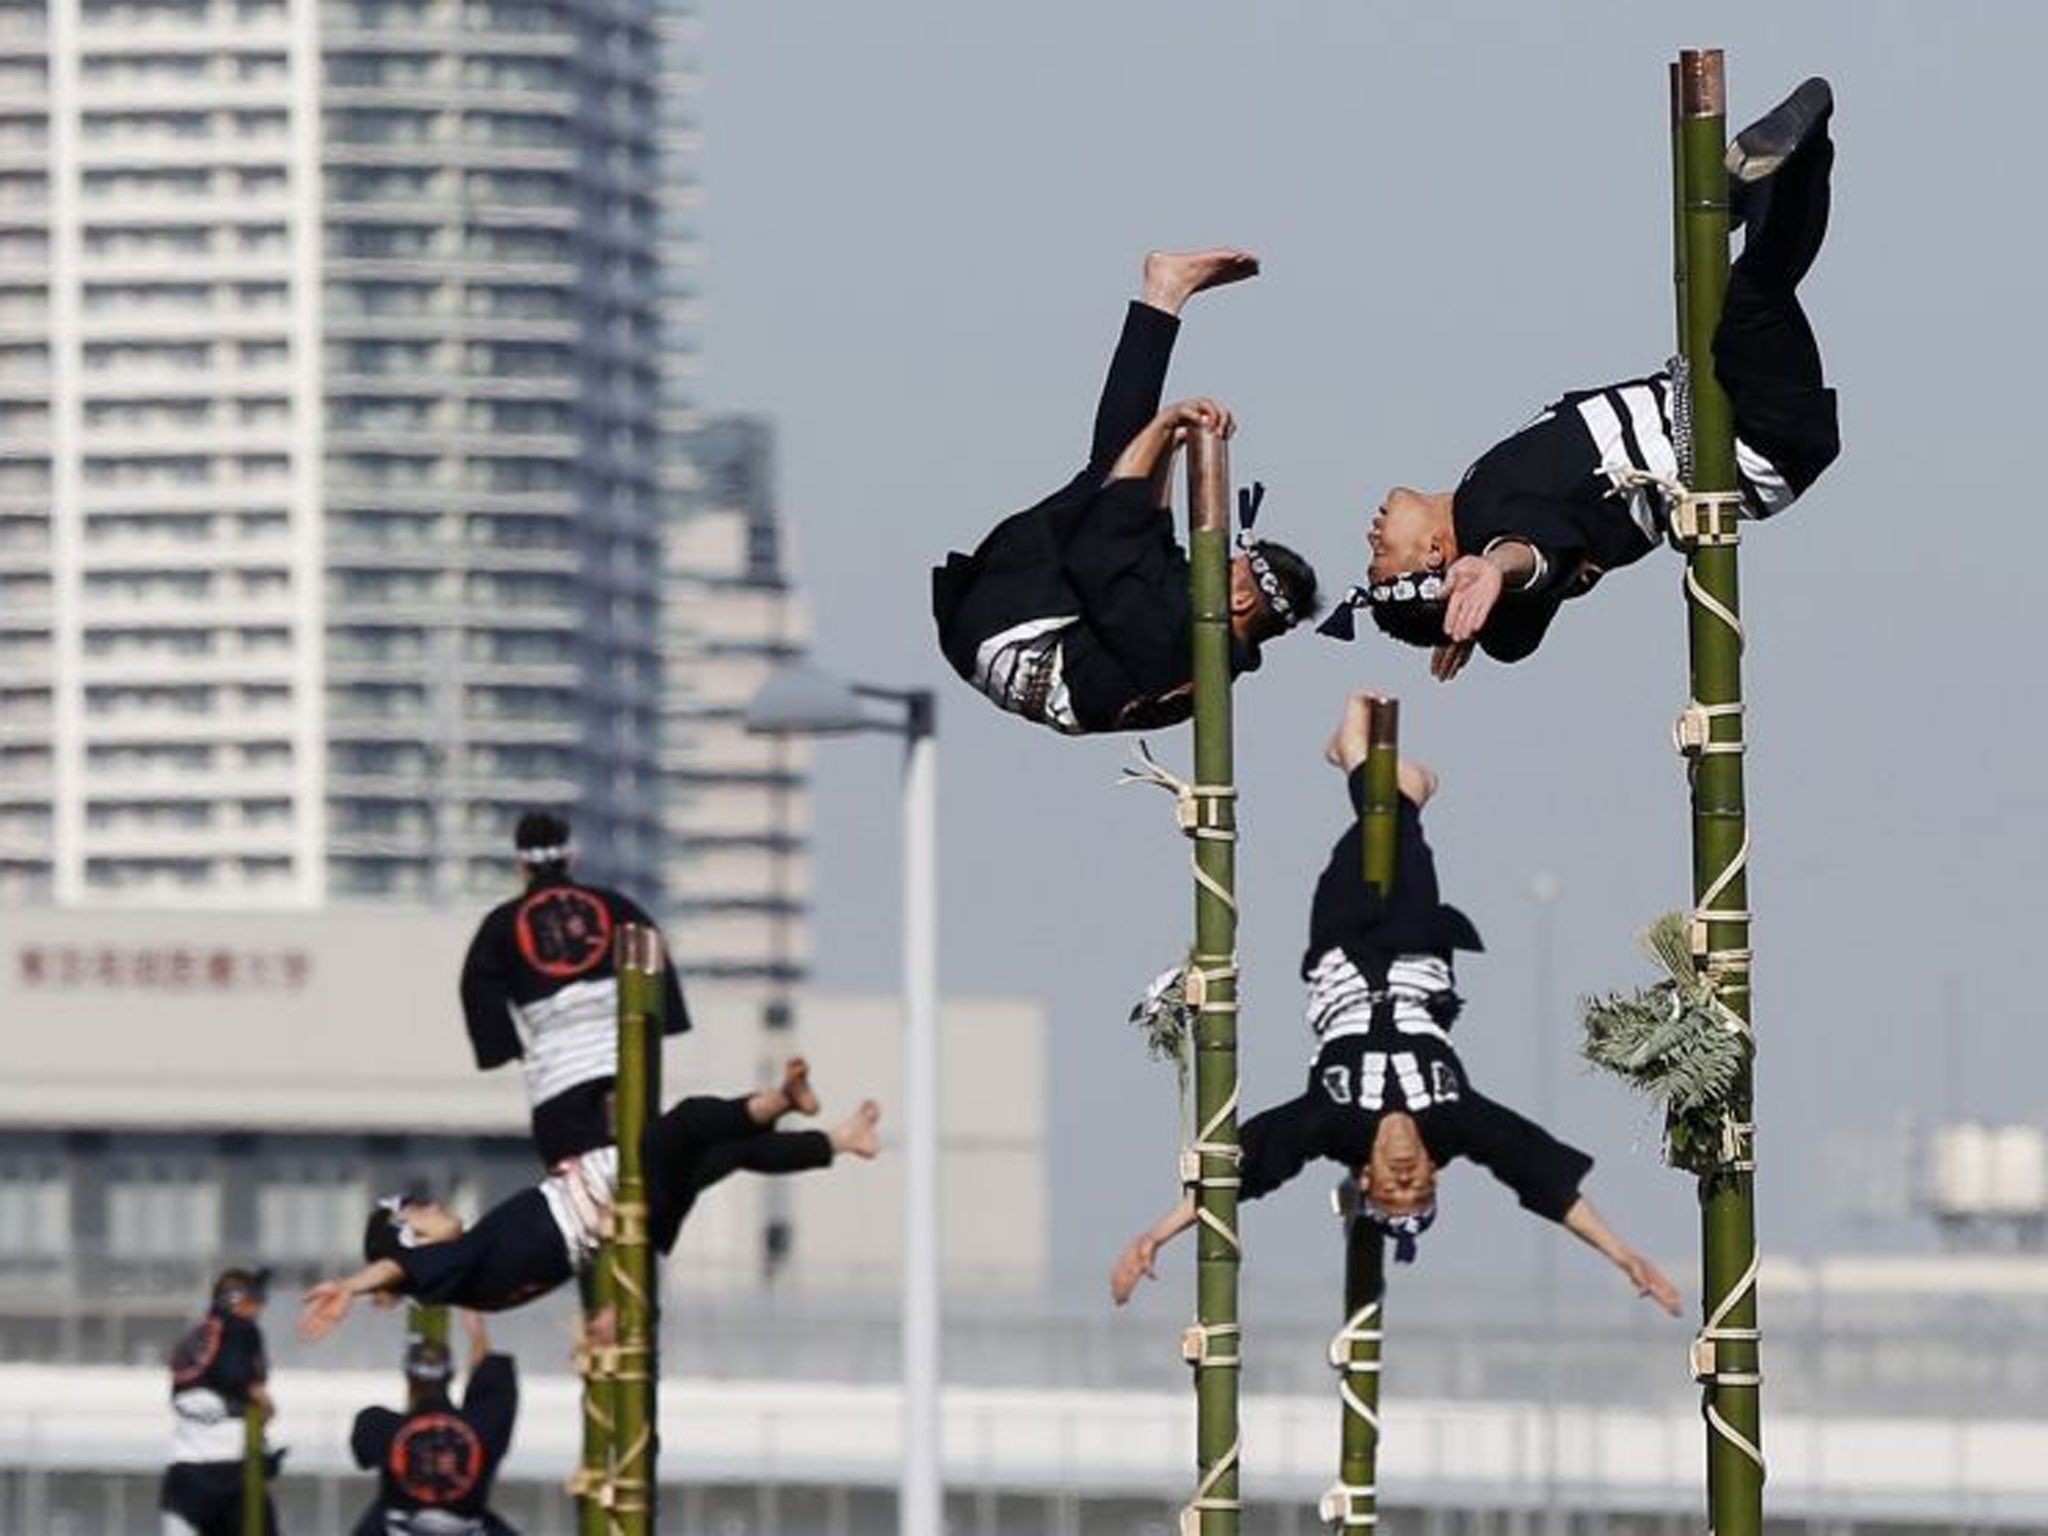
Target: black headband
<point>1404,1229</point>
<point>1406,587</point>
<point>1269,583</point>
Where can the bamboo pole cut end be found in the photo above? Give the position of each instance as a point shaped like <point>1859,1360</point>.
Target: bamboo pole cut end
<point>1385,730</point>
<point>1702,83</point>
<point>1208,481</point>
<point>638,948</point>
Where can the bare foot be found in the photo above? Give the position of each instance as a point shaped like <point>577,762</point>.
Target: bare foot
<point>796,1086</point>
<point>1173,277</point>
<point>856,1133</point>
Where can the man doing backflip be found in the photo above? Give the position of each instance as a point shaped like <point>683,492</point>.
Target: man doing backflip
<point>1387,1097</point>
<point>1075,613</point>
<point>1541,516</point>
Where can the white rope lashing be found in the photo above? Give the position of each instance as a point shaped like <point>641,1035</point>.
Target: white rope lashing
<point>1702,520</point>
<point>1206,1499</point>
<point>1203,814</point>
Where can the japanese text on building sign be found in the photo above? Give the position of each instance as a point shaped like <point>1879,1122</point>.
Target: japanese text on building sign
<point>162,968</point>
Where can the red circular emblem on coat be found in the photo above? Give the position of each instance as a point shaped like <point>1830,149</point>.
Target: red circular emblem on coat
<point>194,1354</point>
<point>564,930</point>
<point>436,1459</point>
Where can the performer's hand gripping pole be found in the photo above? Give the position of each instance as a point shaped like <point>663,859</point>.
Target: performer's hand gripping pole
<point>1352,1502</point>
<point>1726,1358</point>
<point>1211,1163</point>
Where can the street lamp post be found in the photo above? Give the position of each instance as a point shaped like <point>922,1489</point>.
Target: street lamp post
<point>800,700</point>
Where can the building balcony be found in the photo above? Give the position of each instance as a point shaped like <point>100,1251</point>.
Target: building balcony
<point>229,494</point>
<point>230,322</point>
<point>222,842</point>
<point>225,669</point>
<point>434,154</point>
<point>342,32</point>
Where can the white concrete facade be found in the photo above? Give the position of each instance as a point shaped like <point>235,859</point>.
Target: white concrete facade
<point>175,1030</point>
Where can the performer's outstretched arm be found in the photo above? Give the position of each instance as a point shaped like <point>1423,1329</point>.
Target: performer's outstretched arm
<point>1137,1261</point>
<point>1583,1221</point>
<point>328,1303</point>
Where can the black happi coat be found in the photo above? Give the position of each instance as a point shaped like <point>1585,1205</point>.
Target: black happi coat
<point>441,1458</point>
<point>1397,1055</point>
<point>539,986</point>
<point>1098,551</point>
<point>1545,487</point>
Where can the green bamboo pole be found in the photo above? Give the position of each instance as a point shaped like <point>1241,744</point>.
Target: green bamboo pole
<point>1215,1341</point>
<point>255,1485</point>
<point>641,966</point>
<point>1676,82</point>
<point>592,1482</point>
<point>1728,1353</point>
<point>427,1324</point>
<point>1353,1504</point>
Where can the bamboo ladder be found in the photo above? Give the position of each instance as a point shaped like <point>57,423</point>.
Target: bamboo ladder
<point>1209,1166</point>
<point>1352,1502</point>
<point>616,1482</point>
<point>1705,523</point>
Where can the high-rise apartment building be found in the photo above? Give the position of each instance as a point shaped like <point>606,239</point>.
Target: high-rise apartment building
<point>737,806</point>
<point>329,444</point>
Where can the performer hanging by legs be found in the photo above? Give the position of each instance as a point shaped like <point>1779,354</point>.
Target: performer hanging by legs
<point>540,987</point>
<point>541,1237</point>
<point>1541,516</point>
<point>1387,1097</point>
<point>1075,612</point>
<point>436,1460</point>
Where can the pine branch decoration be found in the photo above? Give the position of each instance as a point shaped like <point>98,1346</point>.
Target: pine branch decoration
<point>1166,1019</point>
<point>1672,1041</point>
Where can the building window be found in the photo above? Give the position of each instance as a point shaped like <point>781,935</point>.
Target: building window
<point>165,1208</point>
<point>35,1203</point>
<point>308,1209</point>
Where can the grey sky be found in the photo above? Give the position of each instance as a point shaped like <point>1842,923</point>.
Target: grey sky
<point>924,220</point>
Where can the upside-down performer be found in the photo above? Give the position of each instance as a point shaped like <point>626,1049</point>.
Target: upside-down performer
<point>1542,515</point>
<point>1075,613</point>
<point>1387,1097</point>
<point>435,1461</point>
<point>538,1239</point>
<point>540,987</point>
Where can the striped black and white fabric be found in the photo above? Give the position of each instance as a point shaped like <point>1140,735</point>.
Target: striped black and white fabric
<point>579,1194</point>
<point>571,1037</point>
<point>1341,999</point>
<point>540,987</point>
<point>1631,425</point>
<point>1023,670</point>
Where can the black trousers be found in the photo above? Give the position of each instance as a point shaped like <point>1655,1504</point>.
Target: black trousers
<point>698,1141</point>
<point>207,1496</point>
<point>1764,351</point>
<point>1018,572</point>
